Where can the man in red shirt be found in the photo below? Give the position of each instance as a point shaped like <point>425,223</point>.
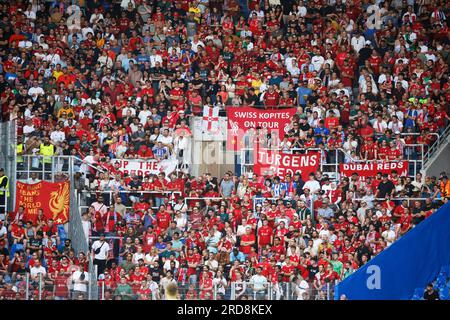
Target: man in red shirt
<point>247,241</point>
<point>331,122</point>
<point>393,153</point>
<point>271,98</point>
<point>265,235</point>
<point>61,289</point>
<point>163,218</point>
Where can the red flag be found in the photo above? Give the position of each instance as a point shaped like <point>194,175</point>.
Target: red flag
<point>52,197</point>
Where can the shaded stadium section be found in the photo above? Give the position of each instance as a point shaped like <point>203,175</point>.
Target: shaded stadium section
<point>413,261</point>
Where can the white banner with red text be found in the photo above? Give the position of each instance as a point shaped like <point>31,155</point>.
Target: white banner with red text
<point>145,167</point>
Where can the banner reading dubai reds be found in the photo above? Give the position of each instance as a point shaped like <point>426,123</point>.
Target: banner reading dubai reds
<point>52,197</point>
<point>270,162</point>
<point>241,119</point>
<point>370,169</point>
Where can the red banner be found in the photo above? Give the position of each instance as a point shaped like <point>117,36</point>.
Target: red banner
<point>370,169</point>
<point>270,162</point>
<point>241,119</point>
<point>52,197</point>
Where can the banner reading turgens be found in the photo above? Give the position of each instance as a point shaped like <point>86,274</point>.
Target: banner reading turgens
<point>52,197</point>
<point>241,119</point>
<point>269,162</point>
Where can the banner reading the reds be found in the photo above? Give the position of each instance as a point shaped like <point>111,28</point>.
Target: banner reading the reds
<point>52,197</point>
<point>370,169</point>
<point>145,167</point>
<point>270,162</point>
<point>241,119</point>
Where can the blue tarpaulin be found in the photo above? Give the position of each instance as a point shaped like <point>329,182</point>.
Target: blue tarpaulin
<point>411,262</point>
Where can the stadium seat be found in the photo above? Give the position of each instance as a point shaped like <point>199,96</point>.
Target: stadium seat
<point>444,293</point>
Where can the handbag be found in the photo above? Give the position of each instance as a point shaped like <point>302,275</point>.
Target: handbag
<point>97,251</point>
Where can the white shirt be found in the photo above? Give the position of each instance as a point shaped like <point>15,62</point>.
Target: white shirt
<point>246,33</point>
<point>85,32</point>
<point>52,58</point>
<point>3,231</point>
<point>166,265</point>
<point>143,116</point>
<point>28,129</point>
<point>131,109</point>
<point>195,45</point>
<point>165,140</point>
<point>80,286</point>
<point>137,256</point>
<point>95,18</point>
<point>389,236</point>
<point>358,43</point>
<point>301,288</point>
<point>57,136</point>
<point>103,254</point>
<point>258,282</point>
<point>124,4</point>
<point>301,12</point>
<point>259,14</point>
<point>35,90</point>
<point>312,185</point>
<point>154,59</point>
<point>379,126</point>
<point>34,271</point>
<point>317,62</point>
<point>30,15</point>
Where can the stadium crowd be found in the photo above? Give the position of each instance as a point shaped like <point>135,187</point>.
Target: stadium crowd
<point>123,79</point>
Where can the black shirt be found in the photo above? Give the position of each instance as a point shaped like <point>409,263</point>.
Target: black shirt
<point>385,188</point>
<point>417,220</point>
<point>312,271</point>
<point>433,295</point>
<point>155,273</point>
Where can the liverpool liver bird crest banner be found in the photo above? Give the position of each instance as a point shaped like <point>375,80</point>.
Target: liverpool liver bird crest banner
<point>52,197</point>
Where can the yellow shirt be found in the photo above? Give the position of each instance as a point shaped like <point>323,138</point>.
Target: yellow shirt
<point>196,12</point>
<point>69,112</point>
<point>57,74</point>
<point>256,84</point>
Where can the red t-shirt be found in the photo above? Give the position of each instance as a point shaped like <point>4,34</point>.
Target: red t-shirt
<point>163,219</point>
<point>244,238</point>
<point>265,233</point>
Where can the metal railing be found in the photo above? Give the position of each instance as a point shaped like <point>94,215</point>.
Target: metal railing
<point>51,168</point>
<point>200,199</point>
<point>396,200</point>
<point>443,138</point>
<point>331,159</point>
<point>3,204</point>
<point>86,197</point>
<point>222,289</point>
<point>247,161</point>
<point>24,286</point>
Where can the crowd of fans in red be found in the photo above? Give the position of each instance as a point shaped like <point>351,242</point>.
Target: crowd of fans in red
<point>126,79</point>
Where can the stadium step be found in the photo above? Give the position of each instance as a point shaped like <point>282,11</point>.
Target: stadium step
<point>436,159</point>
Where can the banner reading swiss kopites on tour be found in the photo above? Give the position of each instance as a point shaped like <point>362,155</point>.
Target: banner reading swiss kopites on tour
<point>52,197</point>
<point>241,119</point>
<point>370,169</point>
<point>270,162</point>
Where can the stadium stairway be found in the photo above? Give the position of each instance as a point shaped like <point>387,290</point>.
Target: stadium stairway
<point>436,160</point>
<point>402,271</point>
